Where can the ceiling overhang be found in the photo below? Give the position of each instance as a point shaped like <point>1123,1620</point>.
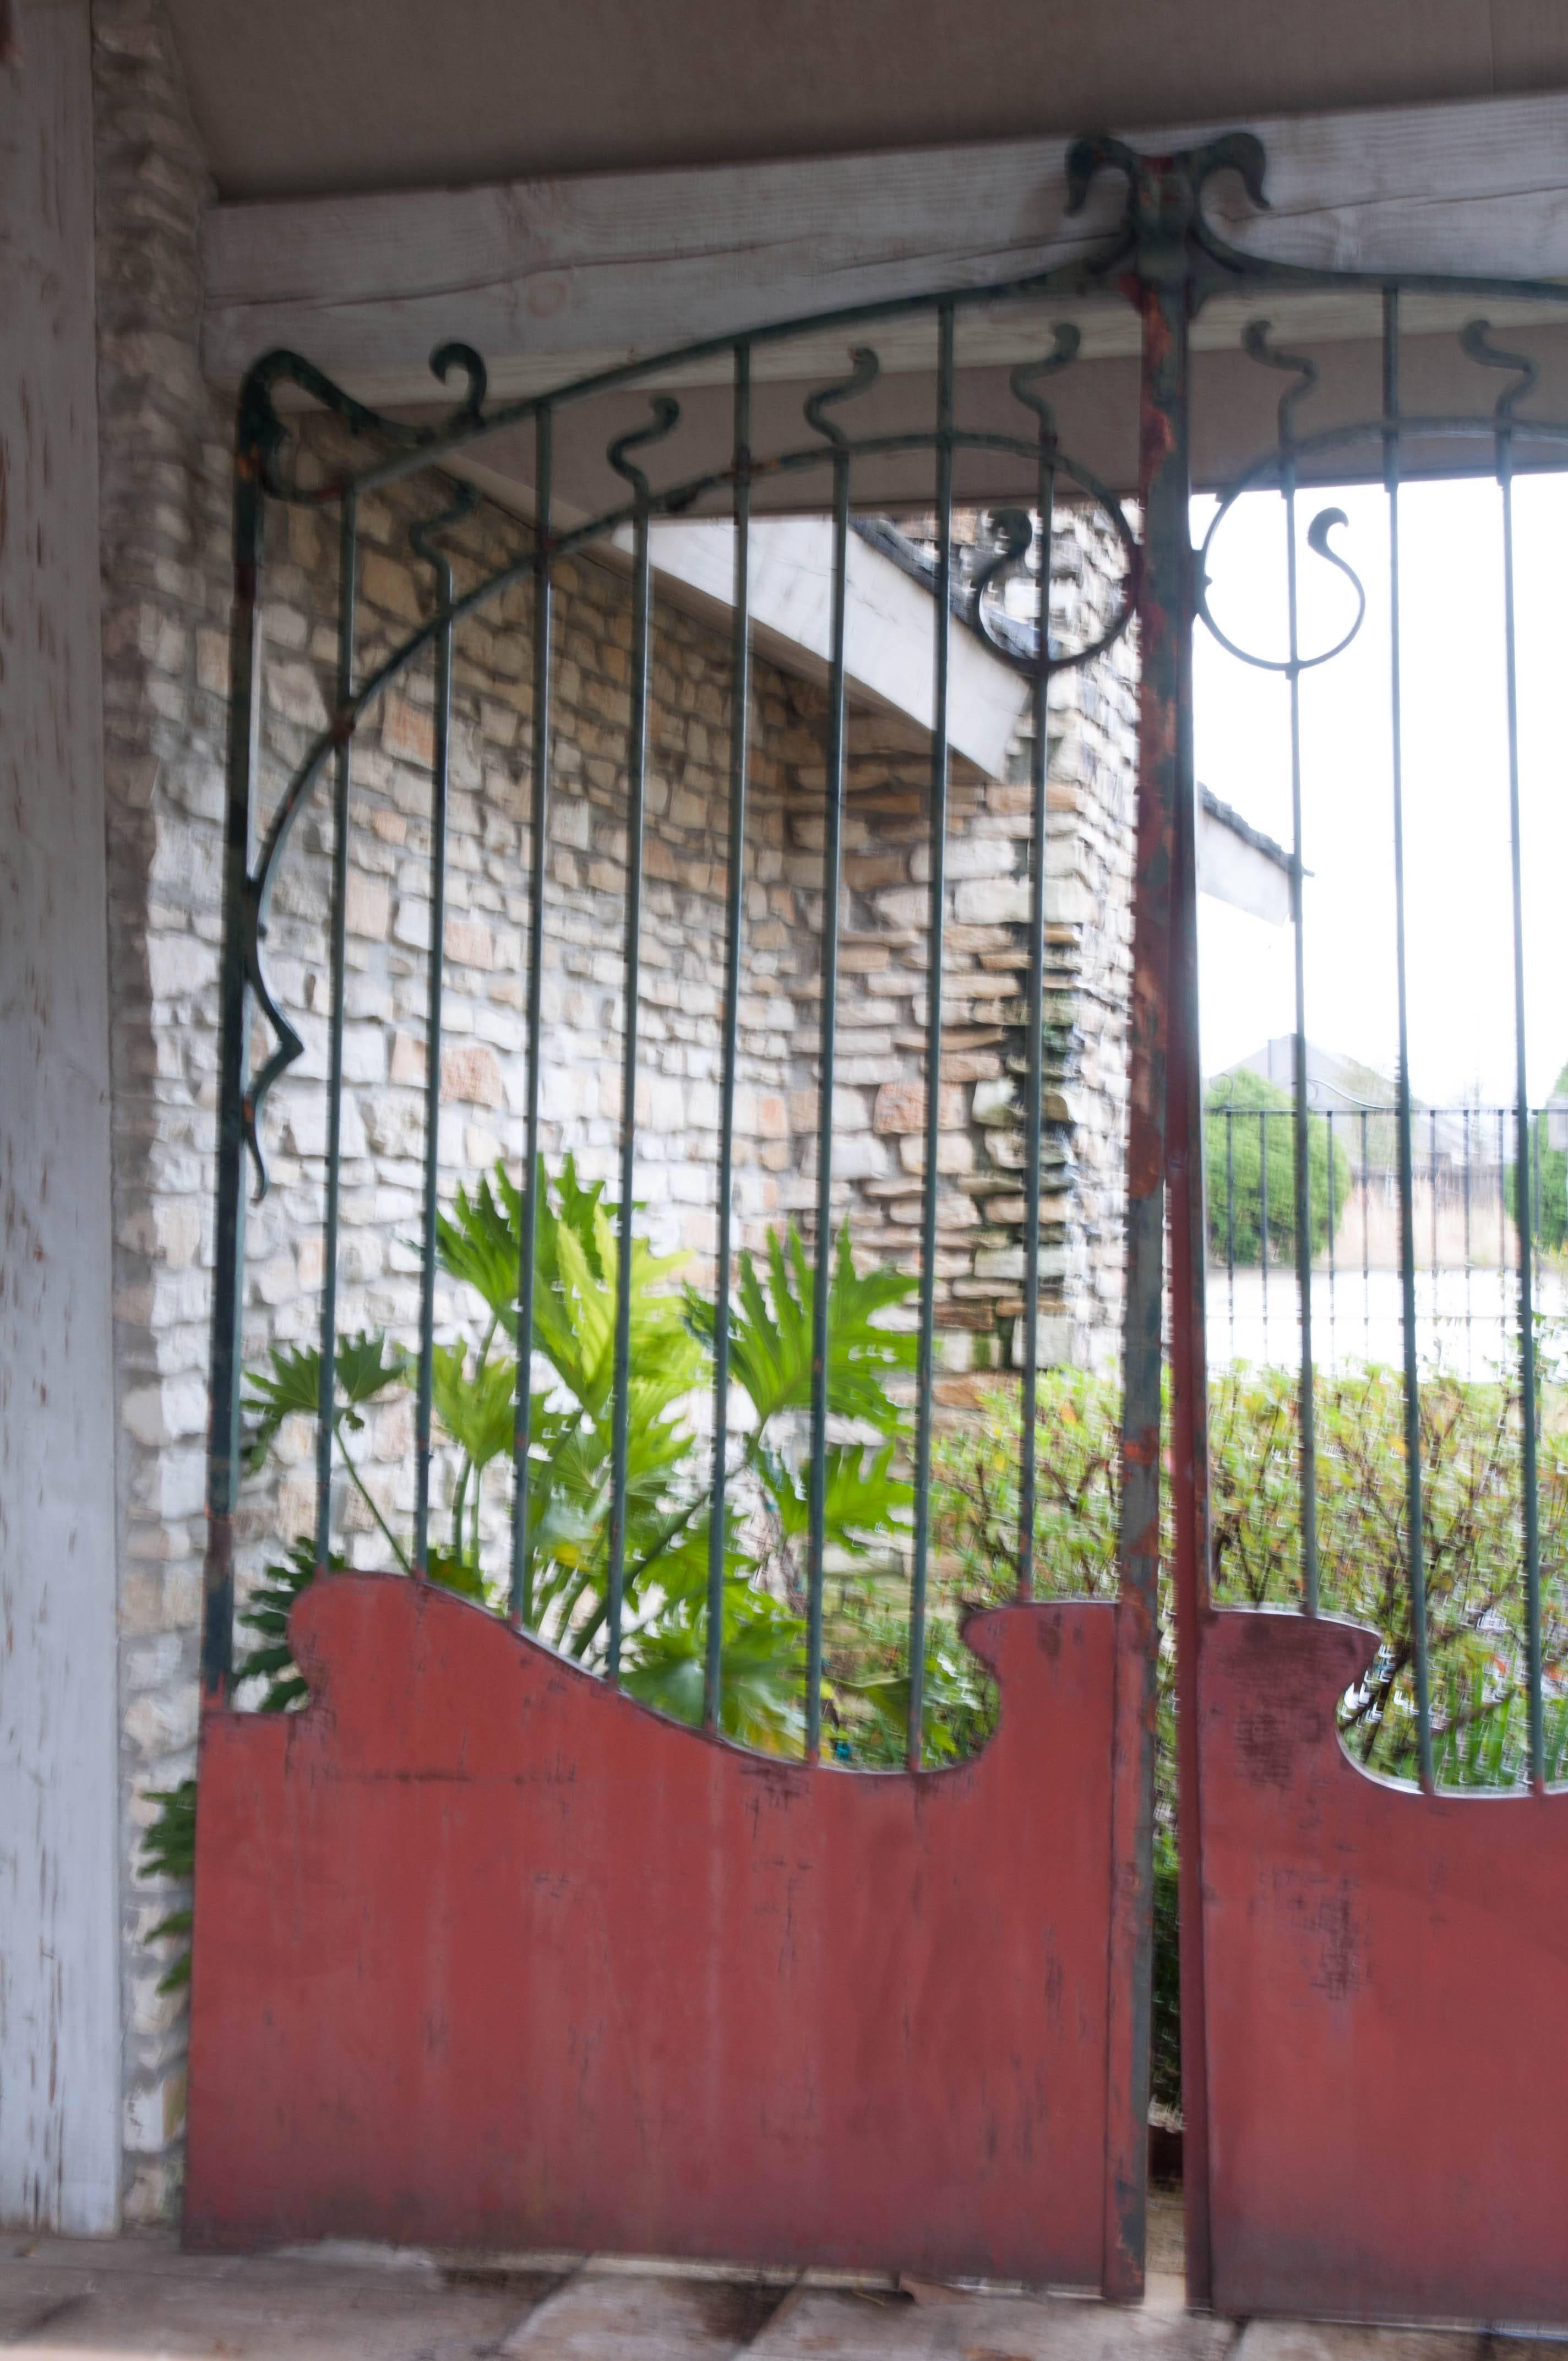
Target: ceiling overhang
<point>555,280</point>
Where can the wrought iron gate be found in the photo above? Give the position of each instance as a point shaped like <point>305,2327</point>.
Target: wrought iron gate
<point>654,1990</point>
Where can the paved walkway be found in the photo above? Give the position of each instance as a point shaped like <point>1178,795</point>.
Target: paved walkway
<point>142,2299</point>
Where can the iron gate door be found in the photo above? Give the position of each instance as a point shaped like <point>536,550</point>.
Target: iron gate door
<point>1353,1922</point>
<point>488,1952</point>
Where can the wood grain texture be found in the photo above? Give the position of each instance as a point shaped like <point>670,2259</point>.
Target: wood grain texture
<point>554,277</point>
<point>59,1816</point>
<point>488,1954</point>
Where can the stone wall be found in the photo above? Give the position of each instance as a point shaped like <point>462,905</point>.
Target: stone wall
<point>165,461</point>
<point>489,861</point>
<point>1091,740</point>
<point>1092,743</point>
<point>164,470</point>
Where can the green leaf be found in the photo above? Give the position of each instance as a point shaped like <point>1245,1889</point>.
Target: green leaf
<point>865,1505</point>
<point>771,1333</point>
<point>453,1571</point>
<point>267,1613</point>
<point>761,1697</point>
<point>477,1406</point>
<point>169,1849</point>
<point>481,1242</point>
<point>367,1365</point>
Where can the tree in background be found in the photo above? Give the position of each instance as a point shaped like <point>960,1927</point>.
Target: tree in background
<point>1548,1174</point>
<point>1234,1154</point>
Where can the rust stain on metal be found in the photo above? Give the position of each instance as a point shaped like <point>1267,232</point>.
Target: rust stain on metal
<point>688,2001</point>
<point>1362,1938</point>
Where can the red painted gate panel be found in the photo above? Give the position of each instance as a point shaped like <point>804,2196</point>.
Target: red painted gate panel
<point>1387,1977</point>
<point>487,1954</point>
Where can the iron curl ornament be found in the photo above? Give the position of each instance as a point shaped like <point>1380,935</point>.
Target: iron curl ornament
<point>1388,434</point>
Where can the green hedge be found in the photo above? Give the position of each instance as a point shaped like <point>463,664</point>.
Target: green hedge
<point>1471,1457</point>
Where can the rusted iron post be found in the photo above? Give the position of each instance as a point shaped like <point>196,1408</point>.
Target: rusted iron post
<point>1164,1142</point>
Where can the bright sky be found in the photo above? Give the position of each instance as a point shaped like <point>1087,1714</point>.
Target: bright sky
<point>1458,892</point>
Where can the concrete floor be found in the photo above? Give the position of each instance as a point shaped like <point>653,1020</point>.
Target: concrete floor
<point>141,2299</point>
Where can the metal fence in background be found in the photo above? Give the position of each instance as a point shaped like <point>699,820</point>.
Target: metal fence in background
<point>1465,1231</point>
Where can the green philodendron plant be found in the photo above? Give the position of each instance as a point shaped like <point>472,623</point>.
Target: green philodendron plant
<point>668,1490</point>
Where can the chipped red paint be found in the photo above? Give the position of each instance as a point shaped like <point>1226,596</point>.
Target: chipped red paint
<point>1386,1973</point>
<point>487,1954</point>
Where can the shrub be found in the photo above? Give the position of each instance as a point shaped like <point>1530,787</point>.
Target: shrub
<point>1471,1455</point>
<point>1471,1458</point>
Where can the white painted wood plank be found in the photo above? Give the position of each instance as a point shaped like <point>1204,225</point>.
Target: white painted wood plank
<point>60,2047</point>
<point>1234,868</point>
<point>563,275</point>
<point>888,637</point>
<point>609,264</point>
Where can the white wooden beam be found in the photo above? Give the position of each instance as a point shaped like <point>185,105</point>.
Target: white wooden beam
<point>1238,865</point>
<point>888,632</point>
<point>551,278</point>
<point>59,1820</point>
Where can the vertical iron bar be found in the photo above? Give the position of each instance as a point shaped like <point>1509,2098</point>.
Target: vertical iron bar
<point>228,1275</point>
<point>1333,1274</point>
<point>937,832</point>
<point>832,865</point>
<point>1529,1187</point>
<point>539,826</point>
<point>1502,1227</point>
<point>1307,1407</point>
<point>637,794</point>
<point>347,557</point>
<point>439,777</point>
<point>1469,1314</point>
<point>1231,1217</point>
<point>1407,1179</point>
<point>1366,1243</point>
<point>1431,1160</point>
<point>1034,1099</point>
<point>735,905</point>
<point>1263,1217</point>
